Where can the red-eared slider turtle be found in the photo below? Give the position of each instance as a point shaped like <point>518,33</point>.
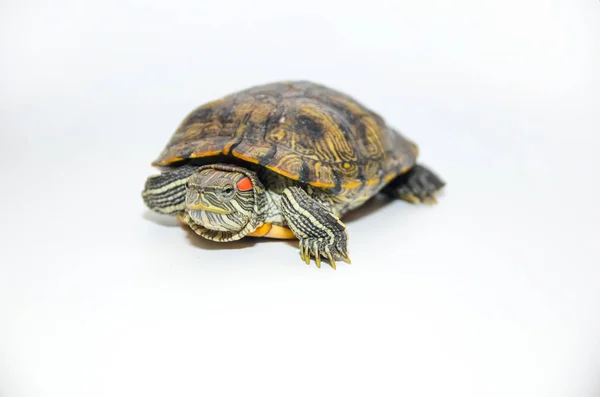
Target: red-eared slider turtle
<point>284,160</point>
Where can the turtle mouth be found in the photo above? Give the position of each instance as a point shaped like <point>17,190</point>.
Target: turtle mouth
<point>208,208</point>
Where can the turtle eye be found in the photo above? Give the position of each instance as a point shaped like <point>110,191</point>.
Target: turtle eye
<point>228,191</point>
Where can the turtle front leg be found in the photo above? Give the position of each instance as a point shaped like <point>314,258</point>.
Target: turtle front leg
<point>320,232</point>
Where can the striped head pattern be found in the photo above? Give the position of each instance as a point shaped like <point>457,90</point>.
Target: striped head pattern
<point>225,201</point>
<point>220,202</point>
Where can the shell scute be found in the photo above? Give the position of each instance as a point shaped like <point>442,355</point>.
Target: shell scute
<point>304,131</point>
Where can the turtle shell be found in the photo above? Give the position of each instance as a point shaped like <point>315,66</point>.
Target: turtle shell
<point>301,130</point>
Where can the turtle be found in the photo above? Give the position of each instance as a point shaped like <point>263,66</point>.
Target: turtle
<point>284,160</point>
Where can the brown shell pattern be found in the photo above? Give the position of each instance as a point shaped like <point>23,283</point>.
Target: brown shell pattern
<point>304,131</point>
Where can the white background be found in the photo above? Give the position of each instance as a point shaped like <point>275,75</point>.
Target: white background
<point>494,292</point>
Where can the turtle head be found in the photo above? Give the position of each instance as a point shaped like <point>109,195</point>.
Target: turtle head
<point>226,202</point>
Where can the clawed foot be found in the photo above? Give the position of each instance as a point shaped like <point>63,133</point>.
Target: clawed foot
<point>320,247</point>
<point>320,232</point>
<point>419,185</point>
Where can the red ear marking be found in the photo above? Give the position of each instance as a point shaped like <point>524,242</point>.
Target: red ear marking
<point>245,184</point>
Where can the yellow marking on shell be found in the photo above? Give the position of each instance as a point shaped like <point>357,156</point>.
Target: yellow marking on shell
<point>284,173</point>
<point>405,169</point>
<point>261,112</point>
<point>168,161</point>
<point>351,185</point>
<point>373,145</point>
<point>246,158</point>
<point>388,178</point>
<point>357,110</point>
<point>324,185</point>
<point>317,166</point>
<point>205,154</point>
<point>241,111</point>
<point>336,146</point>
<point>321,184</point>
<point>207,129</point>
<point>270,230</point>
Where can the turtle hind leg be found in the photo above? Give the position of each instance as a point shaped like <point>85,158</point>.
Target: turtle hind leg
<point>418,185</point>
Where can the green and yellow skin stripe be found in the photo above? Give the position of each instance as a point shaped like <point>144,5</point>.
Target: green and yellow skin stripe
<point>320,232</point>
<point>223,202</point>
<point>165,193</point>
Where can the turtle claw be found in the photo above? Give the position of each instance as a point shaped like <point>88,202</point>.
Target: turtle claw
<point>319,230</point>
<point>331,261</point>
<point>304,254</point>
<point>319,249</point>
<point>430,200</point>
